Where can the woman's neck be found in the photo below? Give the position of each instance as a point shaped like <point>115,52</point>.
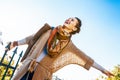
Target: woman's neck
<point>63,31</point>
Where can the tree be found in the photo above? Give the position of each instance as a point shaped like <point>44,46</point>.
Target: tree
<point>3,69</point>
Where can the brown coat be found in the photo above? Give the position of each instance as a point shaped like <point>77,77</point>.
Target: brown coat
<point>70,55</point>
<point>36,44</point>
<point>47,66</point>
<point>32,41</point>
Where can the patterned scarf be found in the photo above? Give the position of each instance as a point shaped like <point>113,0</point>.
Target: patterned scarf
<point>56,43</point>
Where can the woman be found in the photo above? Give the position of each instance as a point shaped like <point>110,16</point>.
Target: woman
<point>47,45</point>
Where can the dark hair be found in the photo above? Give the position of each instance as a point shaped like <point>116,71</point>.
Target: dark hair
<point>78,26</point>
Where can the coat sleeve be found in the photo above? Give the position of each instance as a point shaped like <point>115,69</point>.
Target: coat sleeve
<point>79,57</point>
<point>25,40</point>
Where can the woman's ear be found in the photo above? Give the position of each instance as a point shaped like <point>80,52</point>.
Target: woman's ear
<point>74,29</point>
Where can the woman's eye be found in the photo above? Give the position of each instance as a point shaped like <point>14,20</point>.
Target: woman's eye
<point>72,20</point>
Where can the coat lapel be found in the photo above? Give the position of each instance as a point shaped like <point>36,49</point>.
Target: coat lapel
<point>41,31</point>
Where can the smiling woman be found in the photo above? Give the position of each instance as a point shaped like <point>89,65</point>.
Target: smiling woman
<point>52,43</point>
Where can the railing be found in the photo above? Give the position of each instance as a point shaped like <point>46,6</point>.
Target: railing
<point>8,66</point>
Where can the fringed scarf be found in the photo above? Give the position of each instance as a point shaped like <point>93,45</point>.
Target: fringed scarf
<point>56,43</point>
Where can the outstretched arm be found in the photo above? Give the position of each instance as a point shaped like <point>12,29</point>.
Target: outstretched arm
<point>21,42</point>
<point>103,70</point>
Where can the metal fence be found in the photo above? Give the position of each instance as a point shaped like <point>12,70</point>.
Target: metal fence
<point>8,66</point>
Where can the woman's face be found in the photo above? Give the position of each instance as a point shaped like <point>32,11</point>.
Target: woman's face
<point>70,24</point>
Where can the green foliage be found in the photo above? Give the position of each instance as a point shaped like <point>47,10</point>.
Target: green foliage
<point>3,69</point>
<point>115,71</point>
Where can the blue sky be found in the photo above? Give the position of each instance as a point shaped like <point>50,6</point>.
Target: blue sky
<point>99,36</point>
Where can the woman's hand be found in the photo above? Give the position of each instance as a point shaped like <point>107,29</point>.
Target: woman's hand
<point>109,74</point>
<point>13,44</point>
